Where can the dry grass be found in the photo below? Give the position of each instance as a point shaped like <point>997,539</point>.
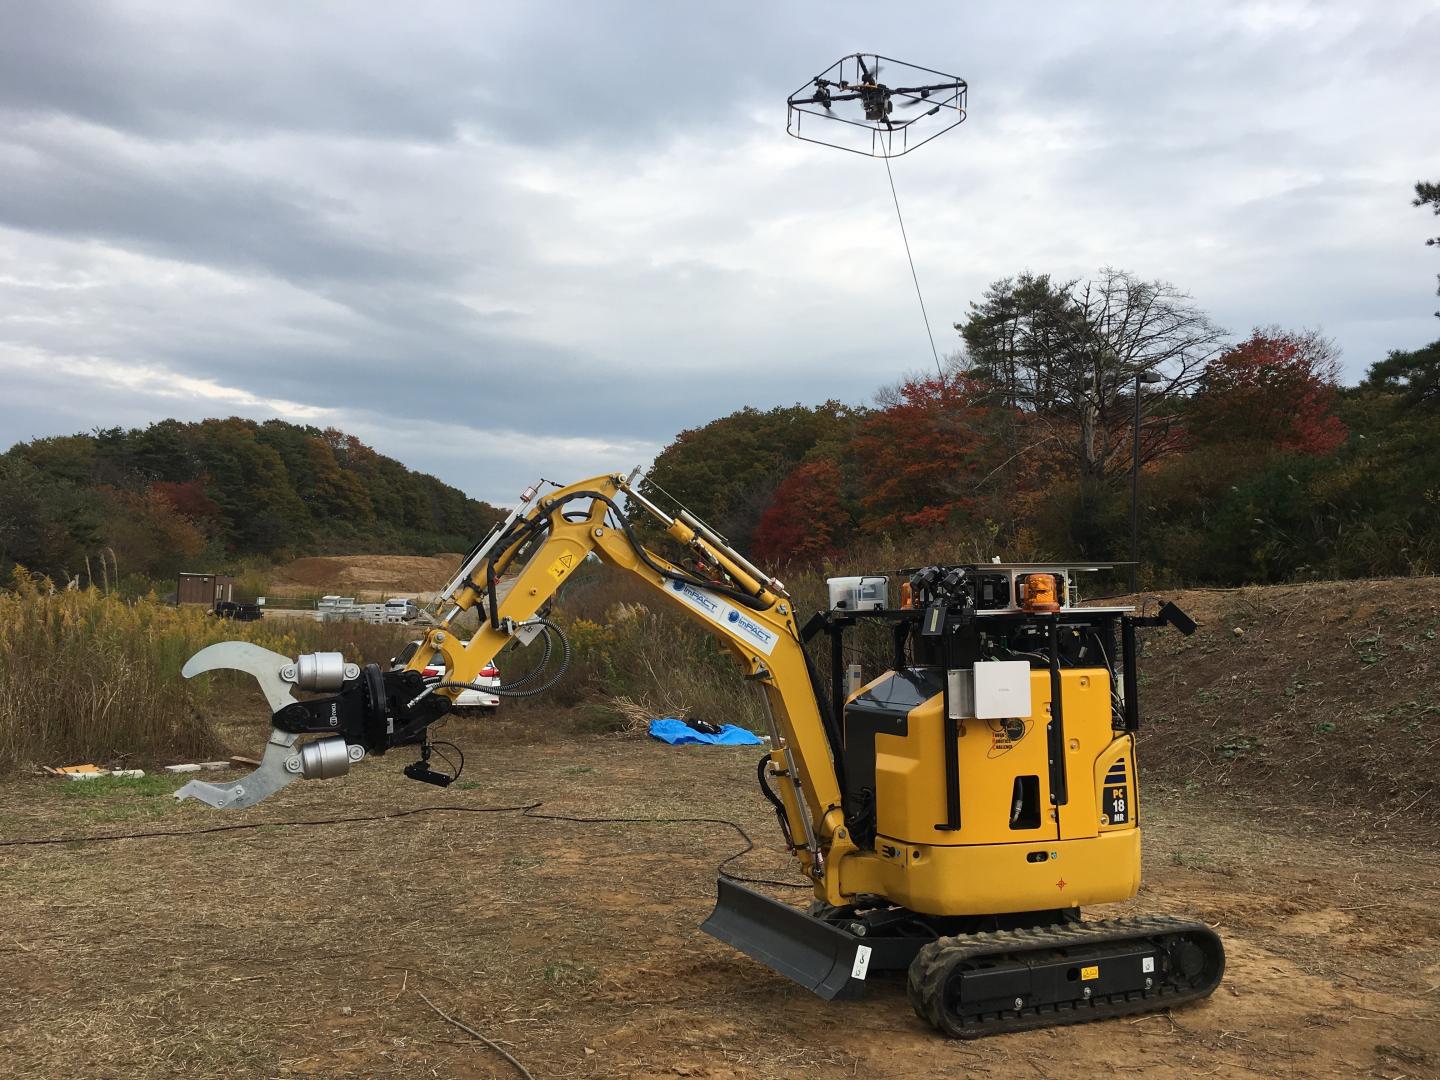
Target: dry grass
<point>86,676</point>
<point>635,716</point>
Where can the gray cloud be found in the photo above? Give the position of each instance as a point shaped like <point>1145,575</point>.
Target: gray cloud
<point>482,238</point>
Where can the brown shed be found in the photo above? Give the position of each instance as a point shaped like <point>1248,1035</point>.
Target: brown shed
<point>207,589</point>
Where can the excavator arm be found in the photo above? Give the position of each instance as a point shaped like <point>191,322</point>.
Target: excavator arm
<point>510,579</point>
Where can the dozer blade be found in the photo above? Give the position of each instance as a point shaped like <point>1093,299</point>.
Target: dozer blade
<point>820,957</point>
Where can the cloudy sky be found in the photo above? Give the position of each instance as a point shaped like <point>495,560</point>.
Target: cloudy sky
<point>507,240</point>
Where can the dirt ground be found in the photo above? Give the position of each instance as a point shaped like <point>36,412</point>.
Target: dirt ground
<point>364,576</point>
<point>289,951</point>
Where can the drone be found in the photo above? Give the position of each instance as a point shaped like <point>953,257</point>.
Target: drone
<point>850,93</point>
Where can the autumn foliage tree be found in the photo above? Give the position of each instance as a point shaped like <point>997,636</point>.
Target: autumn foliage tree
<point>1276,390</point>
<point>807,519</point>
<point>920,456</point>
<point>145,534</point>
<point>190,493</point>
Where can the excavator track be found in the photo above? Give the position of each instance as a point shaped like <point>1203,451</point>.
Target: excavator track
<point>1013,980</point>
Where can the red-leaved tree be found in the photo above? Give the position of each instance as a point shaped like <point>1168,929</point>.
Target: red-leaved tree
<point>807,518</point>
<point>189,499</point>
<point>921,455</point>
<point>1276,389</point>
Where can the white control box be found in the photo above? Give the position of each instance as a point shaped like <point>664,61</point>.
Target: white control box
<point>858,593</point>
<point>1002,689</point>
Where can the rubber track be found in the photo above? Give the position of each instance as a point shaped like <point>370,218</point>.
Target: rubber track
<point>928,974</point>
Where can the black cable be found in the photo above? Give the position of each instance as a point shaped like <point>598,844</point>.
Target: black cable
<point>525,810</point>
<point>719,867</point>
<point>455,770</point>
<point>511,690</point>
<point>238,827</point>
<point>529,676</point>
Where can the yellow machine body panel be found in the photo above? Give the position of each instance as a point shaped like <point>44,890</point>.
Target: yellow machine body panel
<point>1013,849</point>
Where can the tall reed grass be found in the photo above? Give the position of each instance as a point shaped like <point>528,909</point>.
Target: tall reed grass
<point>90,676</point>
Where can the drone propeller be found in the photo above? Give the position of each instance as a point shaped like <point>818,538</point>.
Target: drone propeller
<point>869,76</point>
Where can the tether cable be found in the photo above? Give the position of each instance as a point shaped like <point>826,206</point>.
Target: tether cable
<point>939,370</point>
<point>528,810</point>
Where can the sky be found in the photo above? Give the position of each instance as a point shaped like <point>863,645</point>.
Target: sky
<point>505,241</point>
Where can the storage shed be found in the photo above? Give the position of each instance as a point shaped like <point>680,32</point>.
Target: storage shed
<point>207,589</point>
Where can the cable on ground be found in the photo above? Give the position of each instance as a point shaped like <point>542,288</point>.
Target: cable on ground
<point>525,810</point>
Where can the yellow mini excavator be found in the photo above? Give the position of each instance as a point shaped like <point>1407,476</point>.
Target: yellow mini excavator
<point>954,814</point>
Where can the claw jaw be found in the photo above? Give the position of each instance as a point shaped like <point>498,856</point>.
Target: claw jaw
<point>282,763</point>
<point>268,778</point>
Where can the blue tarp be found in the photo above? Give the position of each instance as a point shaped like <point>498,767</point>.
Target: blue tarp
<point>678,733</point>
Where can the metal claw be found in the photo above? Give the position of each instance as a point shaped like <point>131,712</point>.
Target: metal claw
<point>272,774</point>
<point>270,777</point>
<point>264,665</point>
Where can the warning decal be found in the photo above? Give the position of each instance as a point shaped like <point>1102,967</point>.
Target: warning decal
<point>562,566</point>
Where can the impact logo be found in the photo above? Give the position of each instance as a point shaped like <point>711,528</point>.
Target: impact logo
<point>696,598</point>
<point>752,628</point>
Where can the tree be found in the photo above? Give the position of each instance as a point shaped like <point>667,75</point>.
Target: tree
<point>728,470</point>
<point>921,456</point>
<point>188,499</point>
<point>807,519</point>
<point>46,525</point>
<point>1415,375</point>
<point>268,489</point>
<point>1428,194</point>
<point>1068,354</point>
<point>1276,390</point>
<point>147,535</point>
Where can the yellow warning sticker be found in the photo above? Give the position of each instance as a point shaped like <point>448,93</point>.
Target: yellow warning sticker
<point>562,566</point>
<point>1091,972</point>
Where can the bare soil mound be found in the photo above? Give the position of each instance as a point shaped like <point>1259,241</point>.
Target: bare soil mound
<point>359,574</point>
<point>1320,696</point>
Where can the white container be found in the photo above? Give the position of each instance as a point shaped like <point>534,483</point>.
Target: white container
<point>858,593</point>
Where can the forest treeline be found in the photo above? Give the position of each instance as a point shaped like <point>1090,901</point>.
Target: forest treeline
<point>203,495</point>
<point>1256,466</point>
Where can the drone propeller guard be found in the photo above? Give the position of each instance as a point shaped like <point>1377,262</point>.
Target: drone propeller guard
<point>852,109</point>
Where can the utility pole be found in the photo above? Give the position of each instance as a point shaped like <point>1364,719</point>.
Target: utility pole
<point>1146,378</point>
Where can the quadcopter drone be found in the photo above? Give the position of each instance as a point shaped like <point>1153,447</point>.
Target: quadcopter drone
<point>850,93</point>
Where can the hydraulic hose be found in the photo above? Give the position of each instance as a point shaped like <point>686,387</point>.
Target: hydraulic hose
<point>513,690</point>
<point>739,595</point>
<point>525,528</point>
<point>762,774</point>
<point>529,676</point>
